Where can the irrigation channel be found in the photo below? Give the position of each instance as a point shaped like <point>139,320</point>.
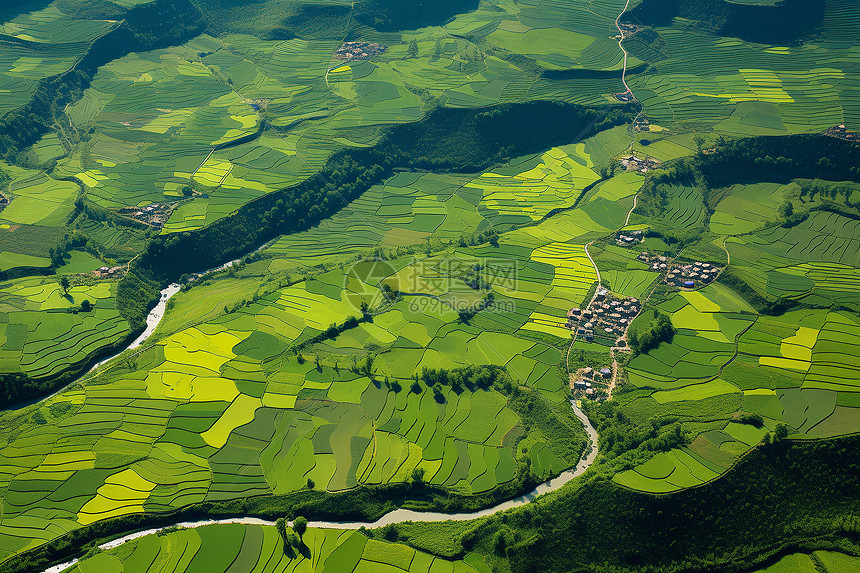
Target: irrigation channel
<point>398,515</point>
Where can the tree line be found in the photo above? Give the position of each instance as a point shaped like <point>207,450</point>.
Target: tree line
<point>445,140</point>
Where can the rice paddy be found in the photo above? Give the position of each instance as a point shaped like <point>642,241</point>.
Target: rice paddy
<point>247,548</point>
<point>41,44</point>
<point>194,114</point>
<point>42,336</point>
<point>815,261</point>
<point>796,369</point>
<point>741,88</point>
<point>255,399</point>
<point>302,368</point>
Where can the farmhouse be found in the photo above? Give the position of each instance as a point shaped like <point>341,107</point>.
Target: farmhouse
<point>640,164</point>
<point>629,239</point>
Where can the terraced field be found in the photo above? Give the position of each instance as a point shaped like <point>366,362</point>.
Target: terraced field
<point>743,88</point>
<point>815,261</point>
<point>181,116</point>
<point>260,548</point>
<point>261,400</point>
<point>42,44</point>
<point>425,333</point>
<point>412,208</point>
<point>793,370</point>
<point>43,332</point>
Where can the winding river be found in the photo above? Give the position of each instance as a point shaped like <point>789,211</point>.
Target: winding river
<point>395,516</point>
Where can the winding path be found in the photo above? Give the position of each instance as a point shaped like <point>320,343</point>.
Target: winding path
<point>620,45</point>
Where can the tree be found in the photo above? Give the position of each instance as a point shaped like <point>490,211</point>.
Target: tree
<point>413,49</point>
<point>786,209</point>
<point>311,483</point>
<point>64,284</point>
<point>780,433</point>
<point>500,543</point>
<point>281,527</point>
<point>416,387</point>
<point>418,476</point>
<point>300,525</point>
<point>86,306</point>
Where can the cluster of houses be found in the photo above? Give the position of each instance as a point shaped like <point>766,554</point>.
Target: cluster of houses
<point>582,381</point>
<point>629,238</point>
<point>656,263</point>
<point>109,272</point>
<point>843,132</point>
<point>608,317</point>
<point>155,214</point>
<point>642,123</point>
<point>640,164</point>
<point>692,275</point>
<point>358,50</point>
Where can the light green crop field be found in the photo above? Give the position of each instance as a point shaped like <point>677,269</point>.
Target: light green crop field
<point>37,199</point>
<point>40,335</point>
<point>247,548</point>
<point>41,44</point>
<point>301,366</point>
<point>220,407</point>
<point>742,88</point>
<point>174,117</point>
<point>413,208</point>
<point>796,369</point>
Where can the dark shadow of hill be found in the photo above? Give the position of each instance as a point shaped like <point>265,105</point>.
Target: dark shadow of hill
<point>785,23</point>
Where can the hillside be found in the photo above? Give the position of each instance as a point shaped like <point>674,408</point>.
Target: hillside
<point>471,285</point>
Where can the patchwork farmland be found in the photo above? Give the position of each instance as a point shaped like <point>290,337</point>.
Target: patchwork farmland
<point>463,283</point>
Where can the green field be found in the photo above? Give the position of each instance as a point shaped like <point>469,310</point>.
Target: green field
<point>247,548</point>
<point>221,407</point>
<point>42,337</point>
<point>413,331</point>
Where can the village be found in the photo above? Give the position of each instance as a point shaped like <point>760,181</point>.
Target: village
<point>640,164</point>
<point>358,50</point>
<point>690,275</point>
<point>843,132</point>
<point>582,382</point>
<point>110,272</point>
<point>155,214</point>
<point>607,317</point>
